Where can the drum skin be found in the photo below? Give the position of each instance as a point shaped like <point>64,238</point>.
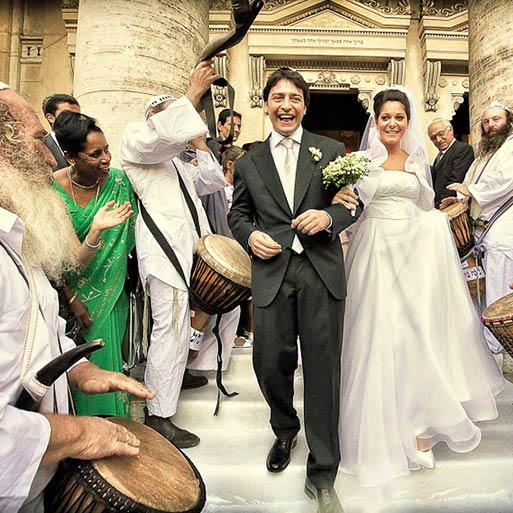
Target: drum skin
<point>160,479</point>
<point>498,318</point>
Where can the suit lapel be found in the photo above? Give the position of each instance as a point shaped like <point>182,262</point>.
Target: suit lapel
<point>266,168</point>
<point>305,168</point>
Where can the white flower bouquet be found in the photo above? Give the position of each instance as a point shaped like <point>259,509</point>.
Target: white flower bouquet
<point>345,170</point>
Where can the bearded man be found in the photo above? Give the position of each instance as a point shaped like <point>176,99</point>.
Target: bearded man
<point>37,241</point>
<point>488,186</point>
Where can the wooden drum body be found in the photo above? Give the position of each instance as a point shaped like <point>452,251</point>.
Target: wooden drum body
<point>498,318</point>
<point>460,227</point>
<point>473,274</point>
<point>160,479</point>
<point>221,274</point>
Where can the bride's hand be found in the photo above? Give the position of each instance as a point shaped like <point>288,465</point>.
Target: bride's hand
<point>346,197</point>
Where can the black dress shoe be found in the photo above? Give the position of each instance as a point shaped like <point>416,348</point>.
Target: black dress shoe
<point>327,499</point>
<point>179,437</point>
<point>193,381</point>
<point>279,455</point>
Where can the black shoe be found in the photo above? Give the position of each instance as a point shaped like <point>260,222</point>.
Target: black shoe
<point>180,438</point>
<point>279,455</point>
<point>327,499</point>
<point>193,381</point>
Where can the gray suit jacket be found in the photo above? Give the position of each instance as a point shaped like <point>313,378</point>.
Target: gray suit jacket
<point>259,203</point>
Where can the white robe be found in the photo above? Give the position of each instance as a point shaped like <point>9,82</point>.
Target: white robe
<point>149,156</point>
<point>492,189</point>
<point>24,436</point>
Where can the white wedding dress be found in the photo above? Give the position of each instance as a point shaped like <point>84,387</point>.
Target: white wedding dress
<point>414,360</point>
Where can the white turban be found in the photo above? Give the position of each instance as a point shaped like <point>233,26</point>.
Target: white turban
<point>156,100</point>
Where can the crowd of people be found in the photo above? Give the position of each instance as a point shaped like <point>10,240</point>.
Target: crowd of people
<point>69,221</point>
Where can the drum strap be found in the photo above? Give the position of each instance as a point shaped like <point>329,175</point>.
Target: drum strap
<point>162,241</point>
<point>219,372</point>
<point>498,213</point>
<point>188,200</point>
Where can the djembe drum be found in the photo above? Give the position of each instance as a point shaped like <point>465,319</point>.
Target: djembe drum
<point>221,274</point>
<point>464,238</point>
<point>460,227</point>
<point>160,479</point>
<point>498,318</point>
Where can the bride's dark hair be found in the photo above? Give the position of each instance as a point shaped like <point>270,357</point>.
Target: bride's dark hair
<point>391,95</point>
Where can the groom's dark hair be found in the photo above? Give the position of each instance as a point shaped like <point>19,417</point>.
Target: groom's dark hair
<point>391,95</point>
<point>291,75</point>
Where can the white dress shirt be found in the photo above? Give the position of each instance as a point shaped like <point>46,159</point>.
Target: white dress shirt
<point>24,435</point>
<point>279,153</point>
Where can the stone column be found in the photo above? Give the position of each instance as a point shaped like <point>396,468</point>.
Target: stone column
<point>239,77</point>
<point>490,57</point>
<point>128,51</point>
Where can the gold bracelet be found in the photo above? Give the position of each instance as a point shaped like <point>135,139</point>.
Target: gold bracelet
<point>73,297</point>
<point>92,246</point>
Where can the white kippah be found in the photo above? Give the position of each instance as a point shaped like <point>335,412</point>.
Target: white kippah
<point>497,105</point>
<point>156,100</point>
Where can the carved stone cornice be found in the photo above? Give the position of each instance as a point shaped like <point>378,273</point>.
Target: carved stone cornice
<point>455,69</point>
<point>326,79</point>
<point>443,8</point>
<point>331,65</point>
<point>328,6</point>
<point>269,5</point>
<point>396,7</point>
<point>31,49</point>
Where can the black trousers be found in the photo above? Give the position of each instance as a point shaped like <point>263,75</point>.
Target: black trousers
<point>303,307</point>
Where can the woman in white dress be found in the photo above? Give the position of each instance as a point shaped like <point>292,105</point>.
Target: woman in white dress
<point>415,367</point>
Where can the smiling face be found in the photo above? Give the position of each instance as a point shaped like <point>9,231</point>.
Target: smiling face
<point>392,123</point>
<point>285,107</point>
<point>94,159</point>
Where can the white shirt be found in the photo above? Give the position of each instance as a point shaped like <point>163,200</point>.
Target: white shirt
<point>279,153</point>
<point>24,435</point>
<point>148,151</point>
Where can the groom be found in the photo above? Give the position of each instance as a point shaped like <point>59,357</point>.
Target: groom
<point>283,216</point>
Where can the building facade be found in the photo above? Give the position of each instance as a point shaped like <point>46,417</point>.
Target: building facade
<point>114,55</point>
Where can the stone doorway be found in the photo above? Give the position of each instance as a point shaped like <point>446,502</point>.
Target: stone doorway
<point>338,115</point>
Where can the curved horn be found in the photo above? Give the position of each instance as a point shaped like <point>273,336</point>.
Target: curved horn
<point>46,376</point>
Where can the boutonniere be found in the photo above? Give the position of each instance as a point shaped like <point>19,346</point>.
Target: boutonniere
<point>315,153</point>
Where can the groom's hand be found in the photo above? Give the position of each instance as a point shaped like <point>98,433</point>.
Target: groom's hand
<point>263,246</point>
<point>311,222</point>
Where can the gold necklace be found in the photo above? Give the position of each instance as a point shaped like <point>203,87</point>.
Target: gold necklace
<point>79,184</point>
<point>73,192</point>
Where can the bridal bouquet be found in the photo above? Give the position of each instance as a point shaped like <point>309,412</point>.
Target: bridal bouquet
<point>345,170</point>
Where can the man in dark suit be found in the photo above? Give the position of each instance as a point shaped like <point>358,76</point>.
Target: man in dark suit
<point>453,161</point>
<point>282,215</point>
<point>53,105</point>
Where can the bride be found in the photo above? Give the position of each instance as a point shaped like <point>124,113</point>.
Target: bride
<point>415,368</point>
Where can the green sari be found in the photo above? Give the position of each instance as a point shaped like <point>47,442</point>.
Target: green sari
<point>100,287</point>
